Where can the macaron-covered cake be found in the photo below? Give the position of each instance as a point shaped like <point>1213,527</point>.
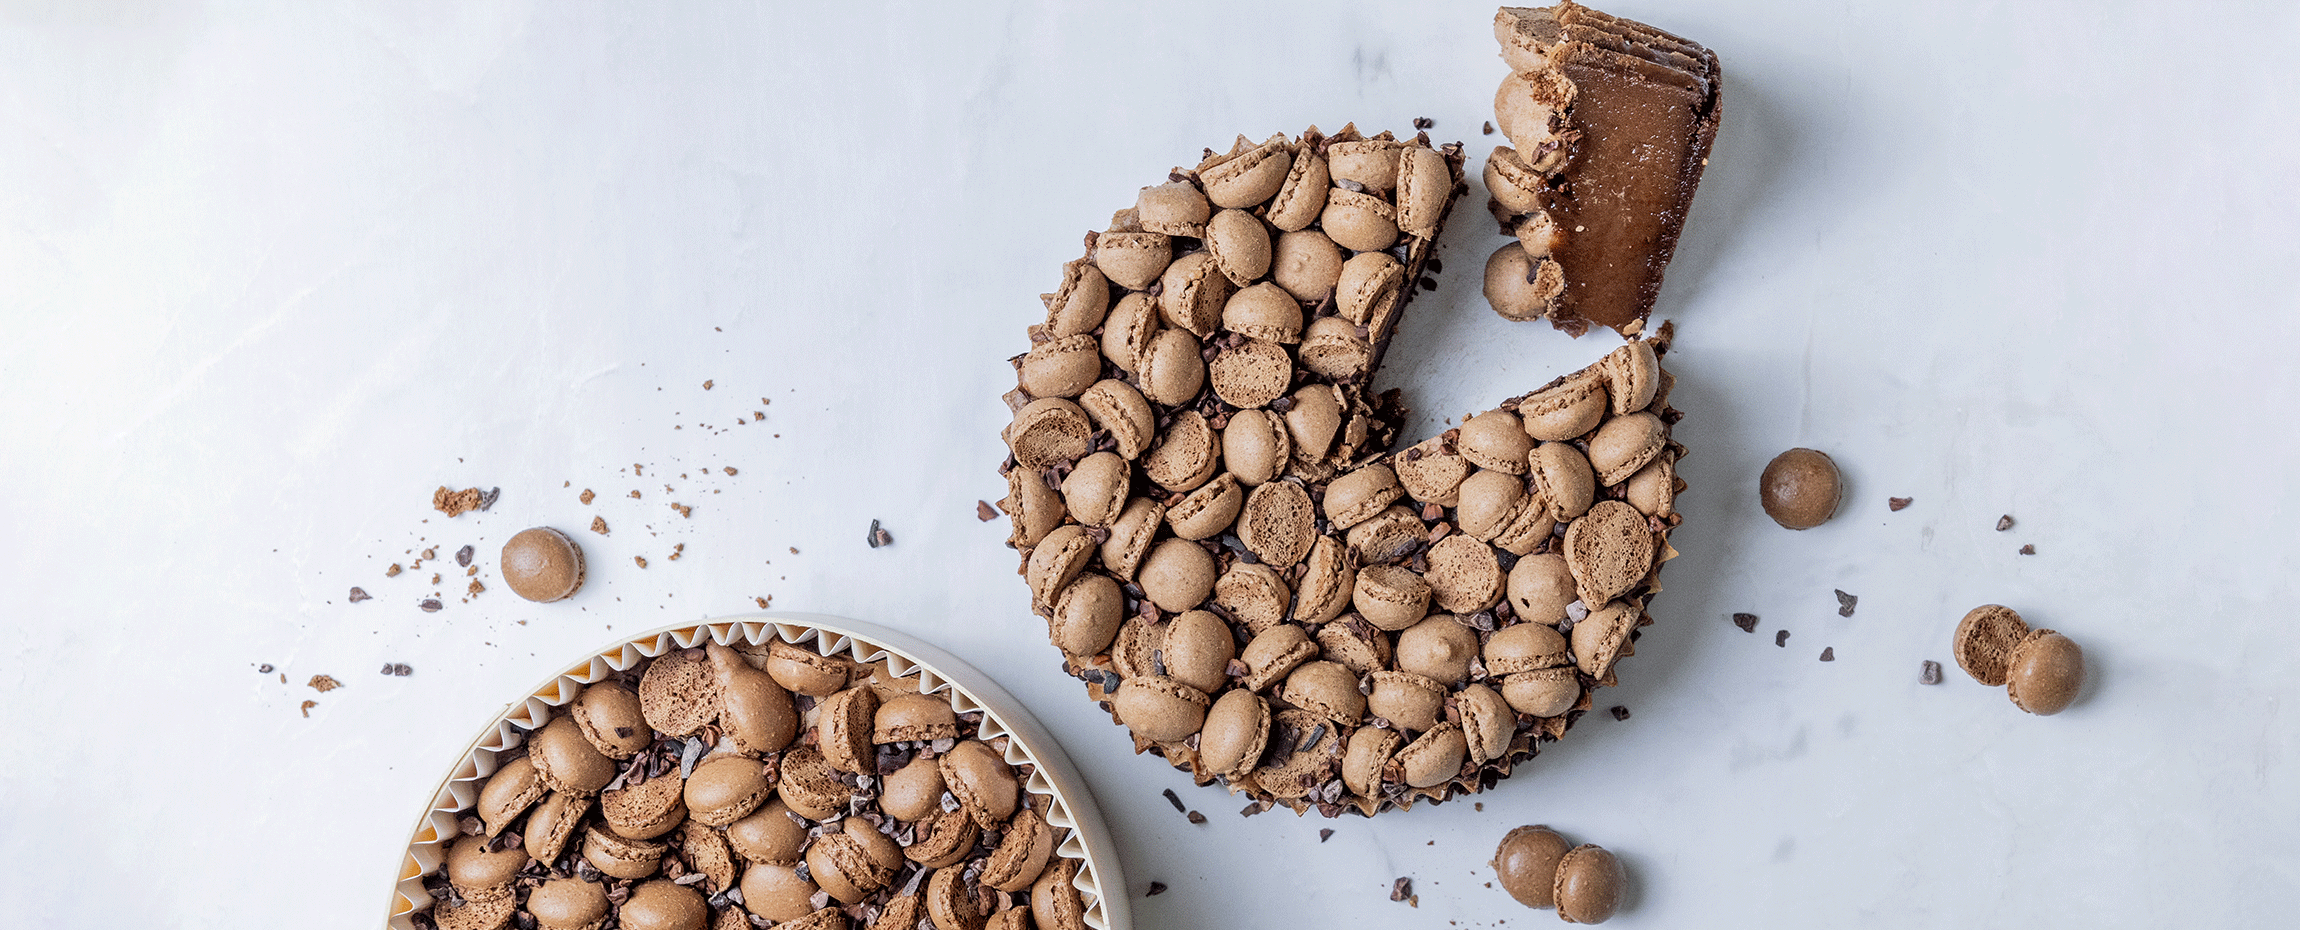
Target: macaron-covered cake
<point>739,786</point>
<point>1225,546</point>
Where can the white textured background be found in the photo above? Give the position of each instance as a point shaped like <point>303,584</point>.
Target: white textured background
<point>270,274</point>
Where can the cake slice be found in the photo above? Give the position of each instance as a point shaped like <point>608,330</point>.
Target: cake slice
<point>1610,123</point>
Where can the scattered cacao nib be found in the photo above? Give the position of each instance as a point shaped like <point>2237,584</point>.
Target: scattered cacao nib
<point>1845,604</point>
<point>487,497</point>
<point>1619,712</point>
<point>1828,653</point>
<point>264,669</point>
<point>430,605</point>
<point>2004,523</point>
<point>1488,130</point>
<point>1900,503</point>
<point>1781,637</point>
<point>402,669</point>
<point>1401,889</point>
<point>1176,800</point>
<point>463,557</point>
<point>879,537</point>
<point>1325,834</point>
<point>2029,549</point>
<point>1747,622</point>
<point>1929,673</point>
<point>358,595</point>
<point>1196,817</point>
<point>984,512</point>
<point>1424,122</point>
<point>1156,888</point>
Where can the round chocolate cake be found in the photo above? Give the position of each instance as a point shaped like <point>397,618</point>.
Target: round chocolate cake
<point>1227,549</point>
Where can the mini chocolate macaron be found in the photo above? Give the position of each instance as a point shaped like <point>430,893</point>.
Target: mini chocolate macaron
<point>777,892</point>
<point>754,711</point>
<point>981,780</point>
<point>679,692</point>
<point>724,789</point>
<point>566,762</point>
<point>619,856</point>
<point>1159,709</point>
<point>508,793</point>
<point>843,730</point>
<point>608,714</point>
<point>802,671</point>
<point>944,839</point>
<point>568,904</point>
<point>853,860</point>
<point>1800,489</point>
<point>1526,864</point>
<point>2047,671</point>
<point>913,718</point>
<point>645,810</point>
<point>1022,853</point>
<point>542,564</point>
<point>553,823</point>
<point>663,904</point>
<point>1054,901</point>
<point>913,792</point>
<point>1236,732</point>
<point>769,835</point>
<point>1589,883</point>
<point>472,867</point>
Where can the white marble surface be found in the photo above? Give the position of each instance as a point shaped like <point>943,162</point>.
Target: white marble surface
<point>272,273</point>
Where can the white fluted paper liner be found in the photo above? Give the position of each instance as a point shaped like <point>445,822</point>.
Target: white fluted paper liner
<point>1071,804</point>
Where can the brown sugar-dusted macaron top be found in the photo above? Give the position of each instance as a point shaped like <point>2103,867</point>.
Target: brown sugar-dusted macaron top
<point>1800,489</point>
<point>542,564</point>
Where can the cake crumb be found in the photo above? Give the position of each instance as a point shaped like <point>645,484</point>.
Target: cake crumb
<point>455,503</point>
<point>763,602</point>
<point>794,550</point>
<point>599,525</point>
<point>706,384</point>
<point>323,684</point>
<point>642,560</point>
<point>1899,503</point>
<point>471,572</point>
<point>358,595</point>
<point>676,549</point>
<point>684,510</point>
<point>475,588</point>
<point>634,493</point>
<point>307,706</point>
<point>586,496</point>
<point>1488,130</point>
<point>434,577</point>
<point>1196,817</point>
<point>428,555</point>
<point>393,571</point>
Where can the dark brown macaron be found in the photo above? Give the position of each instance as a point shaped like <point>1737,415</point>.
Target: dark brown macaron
<point>1589,882</point>
<point>1526,864</point>
<point>1800,489</point>
<point>543,564</point>
<point>2047,671</point>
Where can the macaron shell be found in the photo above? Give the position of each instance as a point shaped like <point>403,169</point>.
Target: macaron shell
<point>981,780</point>
<point>679,693</point>
<point>553,823</point>
<point>608,714</point>
<point>662,904</point>
<point>1159,709</point>
<point>1032,509</point>
<point>1324,590</point>
<point>2046,673</point>
<point>843,726</point>
<point>1316,753</point>
<point>1253,594</point>
<point>725,789</point>
<point>568,904</point>
<point>542,564</point>
<point>1303,195</point>
<point>1435,757</point>
<point>486,909</point>
<point>470,866</point>
<point>706,851</point>
<point>755,712</point>
<point>1247,176</point>
<point>808,784</point>
<point>1278,524</point>
<point>1237,730</point>
<point>620,857</point>
<point>1985,640</point>
<point>645,810</point>
<point>567,762</point>
<point>1589,883</point>
<point>508,793</point>
<point>1526,863</point>
<point>944,840</point>
<point>1370,750</point>
<point>777,893</point>
<point>1080,303</point>
<point>1022,854</point>
<point>1609,550</point>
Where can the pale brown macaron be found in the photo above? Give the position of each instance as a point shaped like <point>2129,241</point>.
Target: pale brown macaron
<point>1118,407</point>
<point>1253,594</point>
<point>1356,496</point>
<point>843,730</point>
<point>1406,700</point>
<point>568,904</point>
<point>679,692</point>
<point>725,789</point>
<point>1599,638</point>
<point>754,711</point>
<point>1303,196</point>
<point>982,782</point>
<point>1625,444</point>
<point>1278,523</point>
<point>1985,641</point>
<point>1178,574</point>
<point>646,810</point>
<point>471,867</point>
<point>1207,511</point>
<point>913,792</point>
<point>1079,304</point>
<point>1370,751</point>
<point>1248,174</point>
<point>543,564</point>
<point>1275,652</point>
<point>621,857</point>
<point>1526,864</point>
<point>804,671</point>
<point>608,714</point>
<point>1237,729</point>
<point>1130,536</point>
<point>914,717</point>
<point>944,839</point>
<point>1496,439</point>
<point>509,792</point>
<point>1439,648</point>
<point>553,823</point>
<point>1022,853</point>
<point>485,909</point>
<point>1609,550</point>
<point>1464,575</point>
<point>566,762</point>
<point>1589,883</point>
<point>854,860</point>
<point>1032,509</point>
<point>707,851</point>
<point>1391,597</point>
<point>1327,689</point>
<point>1434,757</point>
<point>1391,535</point>
<point>775,892</point>
<point>1317,747</point>
<point>1198,650</point>
<point>1160,709</point>
<point>807,783</point>
<point>1800,489</point>
<point>1264,311</point>
<point>663,905</point>
<point>2047,671</point>
<point>1086,616</point>
<point>770,835</point>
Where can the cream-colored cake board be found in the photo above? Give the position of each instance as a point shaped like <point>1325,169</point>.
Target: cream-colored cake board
<point>1071,805</point>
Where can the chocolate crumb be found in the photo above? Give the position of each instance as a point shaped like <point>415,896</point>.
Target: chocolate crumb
<point>463,557</point>
<point>434,577</point>
<point>402,669</point>
<point>1251,808</point>
<point>1619,712</point>
<point>358,595</point>
<point>761,601</point>
<point>455,503</point>
<point>599,525</point>
<point>1781,638</point>
<point>1401,889</point>
<point>1176,800</point>
<point>1488,130</point>
<point>879,537</point>
<point>393,571</point>
<point>1899,503</point>
<point>586,496</point>
<point>684,510</point>
<point>1747,622</point>
<point>1828,653</point>
<point>1424,122</point>
<point>677,549</point>
<point>1156,888</point>
<point>475,587</point>
<point>1929,673</point>
<point>706,385</point>
<point>264,669</point>
<point>2004,523</point>
<point>642,560</point>
<point>1845,604</point>
<point>729,469</point>
<point>984,512</point>
<point>634,493</point>
<point>307,706</point>
<point>1196,817</point>
<point>1325,834</point>
<point>2029,549</point>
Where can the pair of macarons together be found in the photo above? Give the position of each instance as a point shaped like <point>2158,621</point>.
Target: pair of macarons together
<point>1541,869</point>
